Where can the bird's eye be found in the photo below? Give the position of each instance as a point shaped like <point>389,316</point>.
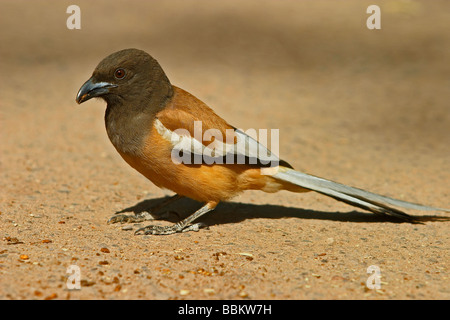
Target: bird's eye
<point>119,73</point>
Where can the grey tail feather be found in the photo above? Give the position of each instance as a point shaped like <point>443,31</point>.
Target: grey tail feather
<point>350,195</point>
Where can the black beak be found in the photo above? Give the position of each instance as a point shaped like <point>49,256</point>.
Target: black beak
<point>91,89</point>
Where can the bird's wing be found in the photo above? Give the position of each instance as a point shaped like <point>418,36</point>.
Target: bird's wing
<point>196,131</point>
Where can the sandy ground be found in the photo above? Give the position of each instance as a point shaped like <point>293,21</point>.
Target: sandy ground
<point>369,108</point>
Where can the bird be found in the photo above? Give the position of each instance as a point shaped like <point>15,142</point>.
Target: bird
<point>154,126</point>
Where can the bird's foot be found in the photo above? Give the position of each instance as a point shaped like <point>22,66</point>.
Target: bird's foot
<point>140,217</point>
<point>131,218</point>
<point>160,230</point>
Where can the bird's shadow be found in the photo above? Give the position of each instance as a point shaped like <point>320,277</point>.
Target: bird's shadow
<point>234,212</point>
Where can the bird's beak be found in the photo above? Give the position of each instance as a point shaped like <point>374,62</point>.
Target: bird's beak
<point>91,89</point>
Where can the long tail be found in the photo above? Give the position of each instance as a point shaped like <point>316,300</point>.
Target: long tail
<point>353,196</point>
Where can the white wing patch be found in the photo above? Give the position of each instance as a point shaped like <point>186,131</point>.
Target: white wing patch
<point>185,147</point>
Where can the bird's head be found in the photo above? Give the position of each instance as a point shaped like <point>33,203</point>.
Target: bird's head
<point>125,76</point>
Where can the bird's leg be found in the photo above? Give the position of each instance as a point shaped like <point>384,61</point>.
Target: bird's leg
<point>182,226</point>
<point>145,215</point>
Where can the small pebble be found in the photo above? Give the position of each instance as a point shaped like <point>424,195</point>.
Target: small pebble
<point>208,291</point>
<point>245,254</point>
<point>184,292</point>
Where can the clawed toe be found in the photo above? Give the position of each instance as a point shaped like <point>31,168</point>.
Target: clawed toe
<point>157,230</point>
<point>124,218</point>
<point>160,230</point>
<point>195,227</point>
